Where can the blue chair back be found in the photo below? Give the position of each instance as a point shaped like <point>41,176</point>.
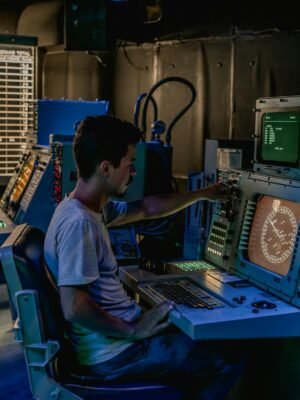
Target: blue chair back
<point>39,327</point>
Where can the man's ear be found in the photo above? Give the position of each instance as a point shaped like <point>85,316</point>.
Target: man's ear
<point>104,168</point>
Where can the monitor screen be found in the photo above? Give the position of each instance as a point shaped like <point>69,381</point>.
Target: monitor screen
<point>22,180</point>
<point>280,137</point>
<point>273,233</point>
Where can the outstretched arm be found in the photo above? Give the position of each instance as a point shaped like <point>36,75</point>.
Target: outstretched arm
<point>163,205</point>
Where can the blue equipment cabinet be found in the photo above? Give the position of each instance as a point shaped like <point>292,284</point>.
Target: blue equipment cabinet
<point>59,116</point>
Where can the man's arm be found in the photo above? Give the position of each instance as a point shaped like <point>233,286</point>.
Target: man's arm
<point>158,206</point>
<point>78,307</point>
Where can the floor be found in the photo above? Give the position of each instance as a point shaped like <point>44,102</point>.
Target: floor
<point>13,375</point>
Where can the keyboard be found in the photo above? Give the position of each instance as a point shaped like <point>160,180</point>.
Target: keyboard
<point>185,292</point>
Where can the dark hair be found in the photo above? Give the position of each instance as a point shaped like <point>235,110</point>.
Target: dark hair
<point>99,138</point>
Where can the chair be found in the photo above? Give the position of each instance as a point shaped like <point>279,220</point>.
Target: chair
<point>39,329</point>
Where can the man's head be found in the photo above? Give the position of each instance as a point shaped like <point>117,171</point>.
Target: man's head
<point>106,145</point>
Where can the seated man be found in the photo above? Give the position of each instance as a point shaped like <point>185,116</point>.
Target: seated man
<point>111,336</point>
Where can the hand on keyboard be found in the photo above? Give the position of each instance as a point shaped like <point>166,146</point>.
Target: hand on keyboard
<point>152,321</point>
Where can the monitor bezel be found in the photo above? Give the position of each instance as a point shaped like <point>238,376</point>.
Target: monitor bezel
<point>259,119</point>
<point>254,186</point>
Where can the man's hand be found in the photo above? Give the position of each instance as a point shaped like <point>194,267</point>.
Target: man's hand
<point>152,321</point>
<point>218,191</point>
<point>79,308</point>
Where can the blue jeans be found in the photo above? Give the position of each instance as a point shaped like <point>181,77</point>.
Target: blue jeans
<point>176,359</point>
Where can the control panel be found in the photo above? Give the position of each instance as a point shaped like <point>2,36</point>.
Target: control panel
<point>218,248</point>
<point>42,163</point>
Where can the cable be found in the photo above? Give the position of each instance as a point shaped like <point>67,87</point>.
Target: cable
<point>98,58</point>
<point>159,227</point>
<point>179,115</point>
<point>137,107</point>
<point>156,227</point>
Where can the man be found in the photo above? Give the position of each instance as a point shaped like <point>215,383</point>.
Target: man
<point>110,334</point>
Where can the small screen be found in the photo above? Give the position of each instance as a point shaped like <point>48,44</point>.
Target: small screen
<point>280,137</point>
<point>273,233</point>
<point>229,158</point>
<point>22,180</point>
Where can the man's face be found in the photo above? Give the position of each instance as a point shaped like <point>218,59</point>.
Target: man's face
<point>122,176</point>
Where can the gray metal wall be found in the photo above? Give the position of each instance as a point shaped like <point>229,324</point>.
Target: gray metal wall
<point>230,68</point>
<point>229,75</point>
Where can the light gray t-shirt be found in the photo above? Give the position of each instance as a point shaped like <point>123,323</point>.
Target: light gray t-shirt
<point>78,252</point>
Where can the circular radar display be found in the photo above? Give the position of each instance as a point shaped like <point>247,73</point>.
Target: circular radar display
<point>273,234</point>
<point>278,235</point>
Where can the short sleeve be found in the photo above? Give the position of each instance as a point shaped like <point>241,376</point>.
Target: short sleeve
<point>79,252</point>
<point>114,211</point>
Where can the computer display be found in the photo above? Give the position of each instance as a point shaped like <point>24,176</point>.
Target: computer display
<point>280,137</point>
<point>273,233</point>
<point>277,136</point>
<point>268,233</point>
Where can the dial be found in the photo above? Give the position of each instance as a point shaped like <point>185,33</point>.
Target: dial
<point>278,234</point>
<point>273,234</point>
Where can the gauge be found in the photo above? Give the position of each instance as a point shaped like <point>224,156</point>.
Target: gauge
<point>278,235</point>
<point>273,233</point>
